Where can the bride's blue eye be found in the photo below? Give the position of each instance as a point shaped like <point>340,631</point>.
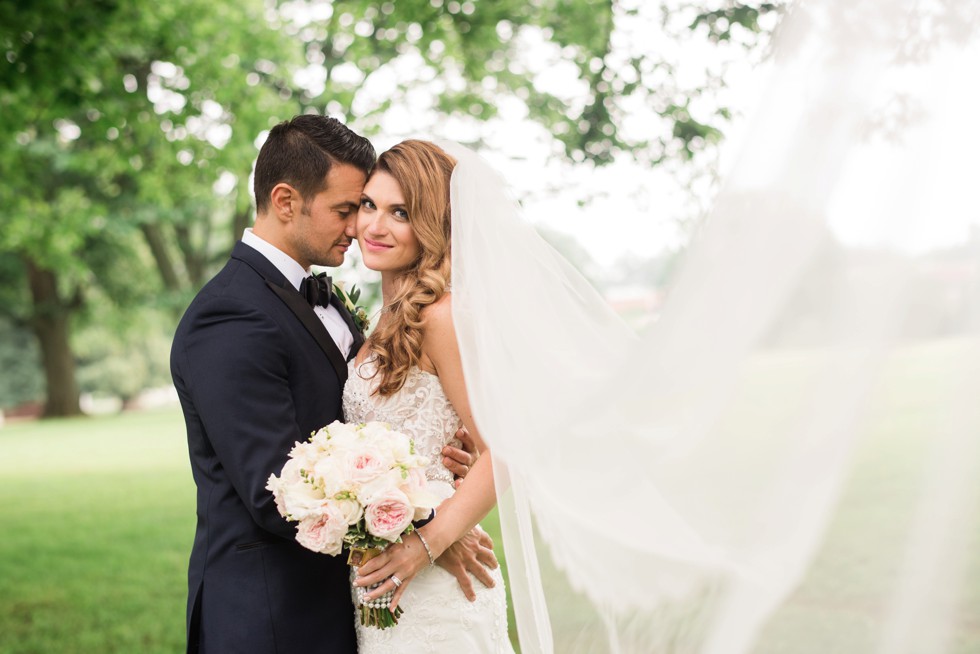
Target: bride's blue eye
<point>400,213</point>
<point>367,204</point>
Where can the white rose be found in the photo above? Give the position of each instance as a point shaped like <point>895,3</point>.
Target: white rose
<point>389,481</point>
<point>295,498</point>
<point>351,510</point>
<point>301,500</point>
<point>389,515</point>
<point>399,447</point>
<point>416,489</point>
<point>331,474</point>
<point>375,431</point>
<point>323,533</point>
<point>320,440</point>
<point>342,437</point>
<point>276,486</point>
<point>303,455</point>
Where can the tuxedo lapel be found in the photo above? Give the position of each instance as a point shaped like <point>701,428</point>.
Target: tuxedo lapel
<point>257,262</point>
<point>338,304</point>
<point>299,306</point>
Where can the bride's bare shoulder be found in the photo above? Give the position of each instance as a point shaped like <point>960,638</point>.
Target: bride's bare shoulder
<point>437,326</point>
<point>439,314</point>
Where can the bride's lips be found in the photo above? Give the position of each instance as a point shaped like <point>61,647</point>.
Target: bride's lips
<point>374,246</point>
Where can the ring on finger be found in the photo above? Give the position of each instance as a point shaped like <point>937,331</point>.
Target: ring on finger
<point>395,580</point>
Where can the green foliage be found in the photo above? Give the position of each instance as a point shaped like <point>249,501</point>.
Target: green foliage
<point>572,250</point>
<point>136,122</point>
<point>693,135</point>
<point>120,358</point>
<point>129,128</point>
<point>719,22</point>
<point>20,376</point>
<point>117,117</point>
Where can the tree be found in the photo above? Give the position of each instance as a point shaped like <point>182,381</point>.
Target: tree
<point>129,129</point>
<point>95,164</point>
<point>21,380</point>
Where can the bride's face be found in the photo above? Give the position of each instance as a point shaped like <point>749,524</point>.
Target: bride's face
<point>384,234</point>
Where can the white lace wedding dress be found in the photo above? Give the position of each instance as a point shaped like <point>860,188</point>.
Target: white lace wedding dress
<point>437,616</point>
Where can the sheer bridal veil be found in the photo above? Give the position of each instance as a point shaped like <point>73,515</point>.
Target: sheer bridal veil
<point>788,461</point>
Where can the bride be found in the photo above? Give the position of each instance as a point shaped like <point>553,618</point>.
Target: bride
<point>670,493</point>
<point>410,375</point>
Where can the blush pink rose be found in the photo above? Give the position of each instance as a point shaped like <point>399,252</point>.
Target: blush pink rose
<point>389,515</point>
<point>366,465</point>
<point>323,533</point>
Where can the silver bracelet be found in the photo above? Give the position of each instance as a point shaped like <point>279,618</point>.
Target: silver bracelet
<point>432,559</point>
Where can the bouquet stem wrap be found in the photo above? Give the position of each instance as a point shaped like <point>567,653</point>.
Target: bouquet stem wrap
<point>376,612</point>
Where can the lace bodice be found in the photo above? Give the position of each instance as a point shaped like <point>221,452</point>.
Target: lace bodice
<point>438,618</point>
<point>420,410</point>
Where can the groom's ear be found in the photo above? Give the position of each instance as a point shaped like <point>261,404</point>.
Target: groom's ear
<point>284,201</point>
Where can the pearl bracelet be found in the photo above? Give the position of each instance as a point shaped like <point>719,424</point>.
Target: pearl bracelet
<point>426,546</point>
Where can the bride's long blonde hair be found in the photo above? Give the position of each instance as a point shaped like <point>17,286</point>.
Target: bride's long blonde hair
<point>423,171</point>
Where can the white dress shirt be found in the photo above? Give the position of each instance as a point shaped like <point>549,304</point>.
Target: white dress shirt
<point>292,271</point>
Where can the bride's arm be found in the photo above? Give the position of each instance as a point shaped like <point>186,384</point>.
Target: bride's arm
<point>476,496</point>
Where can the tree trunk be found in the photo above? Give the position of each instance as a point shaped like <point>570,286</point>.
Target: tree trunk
<point>50,324</point>
<point>243,219</point>
<point>158,247</point>
<point>194,259</point>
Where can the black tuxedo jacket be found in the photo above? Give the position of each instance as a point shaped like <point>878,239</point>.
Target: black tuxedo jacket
<point>256,371</point>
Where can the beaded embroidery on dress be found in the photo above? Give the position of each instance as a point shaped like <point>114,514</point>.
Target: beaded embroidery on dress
<point>438,617</point>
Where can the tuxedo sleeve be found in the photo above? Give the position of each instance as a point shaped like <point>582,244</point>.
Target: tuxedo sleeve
<point>236,369</point>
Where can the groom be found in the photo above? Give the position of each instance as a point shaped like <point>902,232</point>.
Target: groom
<point>259,361</point>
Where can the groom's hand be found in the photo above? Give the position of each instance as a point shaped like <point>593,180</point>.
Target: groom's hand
<point>459,461</point>
<point>472,553</point>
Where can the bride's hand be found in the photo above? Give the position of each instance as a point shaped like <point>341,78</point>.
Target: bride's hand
<point>403,560</point>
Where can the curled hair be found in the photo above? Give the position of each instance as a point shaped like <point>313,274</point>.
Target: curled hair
<point>301,151</point>
<point>423,172</point>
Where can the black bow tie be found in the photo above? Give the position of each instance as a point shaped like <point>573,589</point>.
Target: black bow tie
<point>317,289</point>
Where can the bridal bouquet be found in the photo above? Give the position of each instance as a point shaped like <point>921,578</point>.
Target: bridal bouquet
<point>356,485</point>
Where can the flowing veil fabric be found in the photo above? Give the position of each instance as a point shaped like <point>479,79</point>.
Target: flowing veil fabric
<point>789,460</point>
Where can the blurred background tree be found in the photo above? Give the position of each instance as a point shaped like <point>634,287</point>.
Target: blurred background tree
<point>129,130</point>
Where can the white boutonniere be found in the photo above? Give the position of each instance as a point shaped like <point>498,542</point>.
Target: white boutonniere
<point>361,319</point>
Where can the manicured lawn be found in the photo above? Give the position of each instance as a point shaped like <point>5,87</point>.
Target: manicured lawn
<point>97,518</point>
<point>96,522</point>
<point>851,584</point>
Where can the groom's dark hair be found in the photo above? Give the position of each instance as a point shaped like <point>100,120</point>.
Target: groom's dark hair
<point>300,153</point>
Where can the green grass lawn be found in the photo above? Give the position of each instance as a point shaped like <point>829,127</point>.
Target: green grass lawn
<point>97,517</point>
<point>96,522</point>
<point>848,588</point>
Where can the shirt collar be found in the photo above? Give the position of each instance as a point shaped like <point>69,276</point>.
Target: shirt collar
<point>291,270</point>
